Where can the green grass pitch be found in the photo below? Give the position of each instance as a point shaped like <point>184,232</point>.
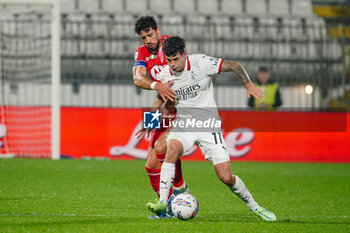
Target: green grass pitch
<point>110,196</point>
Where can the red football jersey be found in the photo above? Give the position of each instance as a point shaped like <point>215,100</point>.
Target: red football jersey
<point>154,63</point>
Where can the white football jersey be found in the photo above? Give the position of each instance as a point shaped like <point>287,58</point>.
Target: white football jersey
<point>194,86</point>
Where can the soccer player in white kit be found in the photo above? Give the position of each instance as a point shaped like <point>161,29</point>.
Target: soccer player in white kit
<point>192,76</point>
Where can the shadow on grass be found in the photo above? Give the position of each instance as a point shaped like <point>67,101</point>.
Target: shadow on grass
<point>321,222</point>
<point>76,220</point>
<point>71,221</point>
<point>19,198</point>
<point>253,219</point>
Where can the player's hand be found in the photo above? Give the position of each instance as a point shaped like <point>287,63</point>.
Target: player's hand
<point>142,132</point>
<point>255,91</point>
<point>165,92</point>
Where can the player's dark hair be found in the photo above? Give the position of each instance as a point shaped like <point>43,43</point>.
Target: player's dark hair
<point>144,23</point>
<point>263,69</point>
<point>174,45</point>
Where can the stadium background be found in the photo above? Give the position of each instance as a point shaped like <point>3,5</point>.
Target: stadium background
<point>301,42</point>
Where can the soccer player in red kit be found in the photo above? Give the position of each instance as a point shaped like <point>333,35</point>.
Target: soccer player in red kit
<point>149,58</point>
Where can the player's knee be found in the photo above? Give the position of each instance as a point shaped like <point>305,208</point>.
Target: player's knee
<point>152,162</point>
<point>173,151</point>
<point>153,165</point>
<point>160,147</point>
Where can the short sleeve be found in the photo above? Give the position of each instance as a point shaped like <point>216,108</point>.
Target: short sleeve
<point>210,65</point>
<point>140,58</point>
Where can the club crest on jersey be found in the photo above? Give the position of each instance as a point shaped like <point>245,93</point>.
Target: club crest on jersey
<point>153,56</point>
<point>192,75</point>
<point>155,71</point>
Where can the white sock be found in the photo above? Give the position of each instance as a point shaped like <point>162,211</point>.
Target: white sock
<point>167,175</point>
<point>242,192</point>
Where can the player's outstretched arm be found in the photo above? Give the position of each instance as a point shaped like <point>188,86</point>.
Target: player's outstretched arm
<point>240,72</point>
<point>141,80</point>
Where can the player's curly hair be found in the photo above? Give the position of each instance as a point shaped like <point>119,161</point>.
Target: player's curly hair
<point>174,45</point>
<point>144,23</point>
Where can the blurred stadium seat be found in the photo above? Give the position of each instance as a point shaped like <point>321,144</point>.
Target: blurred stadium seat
<point>279,7</point>
<point>161,7</point>
<point>184,6</point>
<point>114,6</point>
<point>137,6</point>
<point>224,27</point>
<point>89,5</point>
<point>256,8</point>
<point>68,6</point>
<point>197,27</point>
<point>98,39</point>
<point>231,7</point>
<point>173,25</point>
<point>302,8</point>
<point>208,7</point>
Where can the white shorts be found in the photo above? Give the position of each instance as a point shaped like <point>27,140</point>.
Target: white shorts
<point>212,145</point>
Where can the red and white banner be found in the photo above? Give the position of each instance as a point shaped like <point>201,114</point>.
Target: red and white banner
<point>249,135</point>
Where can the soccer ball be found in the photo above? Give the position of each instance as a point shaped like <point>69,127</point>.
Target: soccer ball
<point>184,206</point>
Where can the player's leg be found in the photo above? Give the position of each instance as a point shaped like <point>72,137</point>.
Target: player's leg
<point>174,151</point>
<point>236,185</point>
<point>153,168</point>
<point>160,150</point>
<point>214,147</point>
<point>160,147</point>
<point>177,144</point>
<point>153,165</point>
<point>223,171</point>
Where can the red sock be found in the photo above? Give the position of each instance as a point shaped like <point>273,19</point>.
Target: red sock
<point>160,157</point>
<point>154,178</point>
<point>178,180</point>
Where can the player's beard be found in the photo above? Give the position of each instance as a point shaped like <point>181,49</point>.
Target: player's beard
<point>154,49</point>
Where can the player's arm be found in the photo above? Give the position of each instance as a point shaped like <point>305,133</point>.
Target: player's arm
<point>166,108</point>
<point>141,80</point>
<point>157,104</point>
<point>240,72</point>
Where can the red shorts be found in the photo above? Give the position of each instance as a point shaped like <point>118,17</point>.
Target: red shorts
<point>155,135</point>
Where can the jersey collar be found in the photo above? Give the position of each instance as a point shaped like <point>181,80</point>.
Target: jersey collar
<point>187,66</point>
